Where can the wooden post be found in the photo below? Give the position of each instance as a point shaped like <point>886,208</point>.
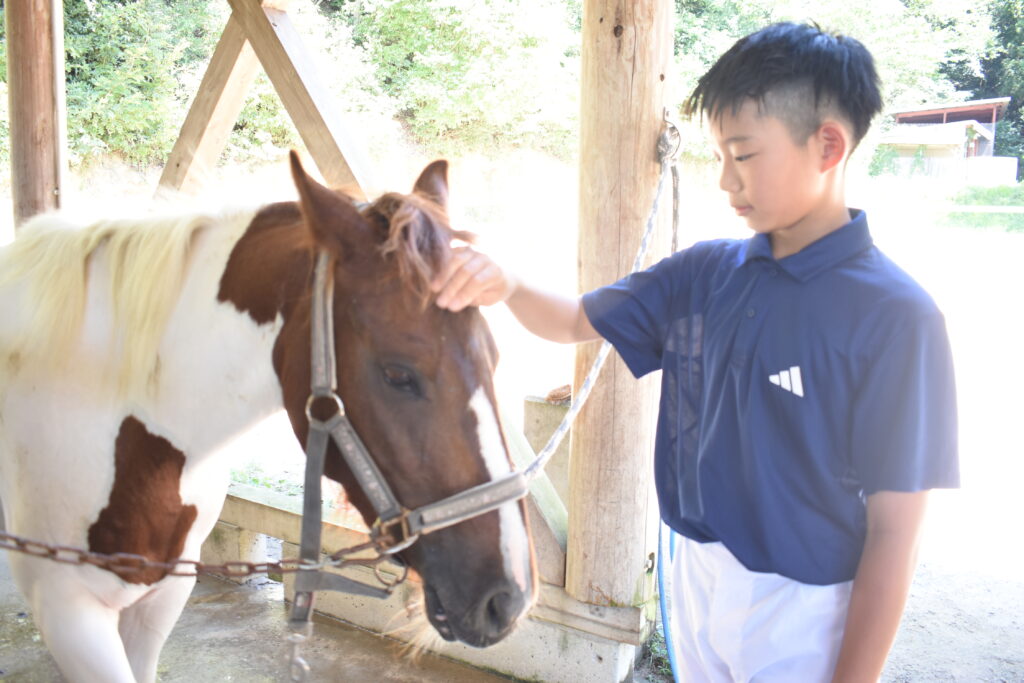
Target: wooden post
<point>625,61</point>
<point>35,81</point>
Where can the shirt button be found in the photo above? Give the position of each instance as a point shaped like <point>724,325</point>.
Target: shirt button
<point>750,312</point>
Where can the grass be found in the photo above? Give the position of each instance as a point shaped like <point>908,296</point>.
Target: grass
<point>1000,196</point>
<point>654,665</point>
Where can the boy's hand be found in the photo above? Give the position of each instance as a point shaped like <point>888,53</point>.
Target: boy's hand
<point>471,279</point>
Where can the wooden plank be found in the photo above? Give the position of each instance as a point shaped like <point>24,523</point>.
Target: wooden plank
<point>284,58</point>
<point>259,511</point>
<point>546,512</point>
<point>35,81</point>
<point>612,516</point>
<point>213,112</point>
<point>280,516</point>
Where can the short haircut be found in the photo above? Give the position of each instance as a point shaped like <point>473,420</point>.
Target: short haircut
<point>797,73</point>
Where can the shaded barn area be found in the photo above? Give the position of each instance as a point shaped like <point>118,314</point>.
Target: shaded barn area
<point>596,603</point>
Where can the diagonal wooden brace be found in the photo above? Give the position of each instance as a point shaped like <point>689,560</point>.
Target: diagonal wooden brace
<point>261,33</point>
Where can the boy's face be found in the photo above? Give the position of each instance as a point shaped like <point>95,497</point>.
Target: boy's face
<point>774,183</point>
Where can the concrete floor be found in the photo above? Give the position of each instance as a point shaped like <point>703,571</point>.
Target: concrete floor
<point>236,633</point>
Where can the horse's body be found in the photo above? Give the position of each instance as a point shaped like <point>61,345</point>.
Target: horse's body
<point>131,354</point>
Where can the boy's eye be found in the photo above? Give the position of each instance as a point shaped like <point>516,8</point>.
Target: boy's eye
<point>743,157</point>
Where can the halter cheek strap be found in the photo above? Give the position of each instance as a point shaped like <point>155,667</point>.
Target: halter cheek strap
<point>396,528</point>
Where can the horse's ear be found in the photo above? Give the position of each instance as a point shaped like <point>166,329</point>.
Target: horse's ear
<point>332,218</point>
<point>433,182</point>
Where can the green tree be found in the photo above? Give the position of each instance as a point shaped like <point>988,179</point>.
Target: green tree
<point>473,74</point>
<point>124,62</point>
<point>1004,69</point>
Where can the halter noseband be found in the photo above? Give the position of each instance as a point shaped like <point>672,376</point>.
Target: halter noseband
<point>396,527</point>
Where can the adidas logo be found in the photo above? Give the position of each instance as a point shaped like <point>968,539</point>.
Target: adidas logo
<point>789,380</point>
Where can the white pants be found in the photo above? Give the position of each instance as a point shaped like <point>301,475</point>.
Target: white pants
<point>731,624</point>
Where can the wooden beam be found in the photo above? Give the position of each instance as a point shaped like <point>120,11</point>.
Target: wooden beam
<point>213,112</point>
<point>284,58</point>
<point>612,516</point>
<point>35,81</point>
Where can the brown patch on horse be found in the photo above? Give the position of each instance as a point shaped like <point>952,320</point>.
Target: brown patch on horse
<point>145,515</point>
<point>270,262</point>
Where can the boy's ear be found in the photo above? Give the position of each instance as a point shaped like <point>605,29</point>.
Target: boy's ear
<point>833,143</point>
<point>331,217</point>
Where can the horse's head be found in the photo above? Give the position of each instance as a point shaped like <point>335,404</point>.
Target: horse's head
<point>416,381</point>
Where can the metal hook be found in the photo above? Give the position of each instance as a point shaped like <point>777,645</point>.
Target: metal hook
<point>671,141</point>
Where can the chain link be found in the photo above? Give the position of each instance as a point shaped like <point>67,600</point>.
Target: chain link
<point>129,563</point>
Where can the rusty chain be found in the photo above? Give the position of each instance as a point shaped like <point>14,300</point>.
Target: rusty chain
<point>129,563</point>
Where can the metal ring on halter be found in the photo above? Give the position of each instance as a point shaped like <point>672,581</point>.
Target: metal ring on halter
<point>391,585</point>
<point>313,397</point>
<point>381,528</point>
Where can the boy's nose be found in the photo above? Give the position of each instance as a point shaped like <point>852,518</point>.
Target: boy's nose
<point>728,180</point>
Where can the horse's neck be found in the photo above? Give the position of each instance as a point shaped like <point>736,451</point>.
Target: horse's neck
<point>216,375</point>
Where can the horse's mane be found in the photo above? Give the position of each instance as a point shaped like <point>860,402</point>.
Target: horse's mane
<point>418,236</point>
<point>146,264</point>
<point>147,261</point>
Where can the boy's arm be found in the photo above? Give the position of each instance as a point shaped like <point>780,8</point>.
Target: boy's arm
<point>882,583</point>
<point>471,278</point>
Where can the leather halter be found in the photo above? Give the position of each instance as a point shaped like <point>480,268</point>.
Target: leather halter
<point>396,527</point>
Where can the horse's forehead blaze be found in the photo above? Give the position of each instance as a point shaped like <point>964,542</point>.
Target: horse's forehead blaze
<point>145,515</point>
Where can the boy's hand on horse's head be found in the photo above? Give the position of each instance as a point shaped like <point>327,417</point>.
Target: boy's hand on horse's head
<point>470,278</point>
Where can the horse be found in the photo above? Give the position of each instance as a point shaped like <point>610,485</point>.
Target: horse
<point>133,351</point>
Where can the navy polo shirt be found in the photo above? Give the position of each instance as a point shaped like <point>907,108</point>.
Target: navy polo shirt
<point>791,390</point>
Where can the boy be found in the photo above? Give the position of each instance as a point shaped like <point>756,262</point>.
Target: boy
<point>807,391</point>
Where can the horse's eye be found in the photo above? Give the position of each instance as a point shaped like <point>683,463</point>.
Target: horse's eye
<point>402,379</point>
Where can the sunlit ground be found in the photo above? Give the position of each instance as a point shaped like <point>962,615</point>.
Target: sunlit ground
<point>524,209</point>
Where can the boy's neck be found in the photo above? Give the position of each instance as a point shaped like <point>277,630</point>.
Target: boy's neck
<point>829,217</point>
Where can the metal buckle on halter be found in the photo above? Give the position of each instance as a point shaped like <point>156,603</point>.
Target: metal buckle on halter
<point>383,530</point>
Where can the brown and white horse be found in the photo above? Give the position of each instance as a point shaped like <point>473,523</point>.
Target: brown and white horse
<point>132,352</point>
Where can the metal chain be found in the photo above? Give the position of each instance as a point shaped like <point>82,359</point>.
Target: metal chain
<point>130,563</point>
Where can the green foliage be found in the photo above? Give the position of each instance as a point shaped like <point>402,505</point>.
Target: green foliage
<point>1010,140</point>
<point>1005,195</point>
<point>655,655</point>
<point>123,60</point>
<point>461,75</point>
<point>917,164</point>
<point>1002,75</point>
<point>263,126</point>
<point>883,161</point>
<point>473,74</point>
<point>1001,195</point>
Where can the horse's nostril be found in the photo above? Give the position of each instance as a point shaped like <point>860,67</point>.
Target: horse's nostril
<point>502,609</point>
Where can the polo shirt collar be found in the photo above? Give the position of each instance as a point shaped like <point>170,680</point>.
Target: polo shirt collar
<point>821,255</point>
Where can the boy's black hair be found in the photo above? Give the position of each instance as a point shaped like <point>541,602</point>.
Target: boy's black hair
<point>804,70</point>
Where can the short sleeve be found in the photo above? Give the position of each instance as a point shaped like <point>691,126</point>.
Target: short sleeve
<point>634,312</point>
<point>904,415</point>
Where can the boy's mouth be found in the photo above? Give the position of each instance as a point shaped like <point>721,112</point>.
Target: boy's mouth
<point>742,210</point>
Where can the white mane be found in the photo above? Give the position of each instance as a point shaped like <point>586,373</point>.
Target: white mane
<point>145,264</point>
